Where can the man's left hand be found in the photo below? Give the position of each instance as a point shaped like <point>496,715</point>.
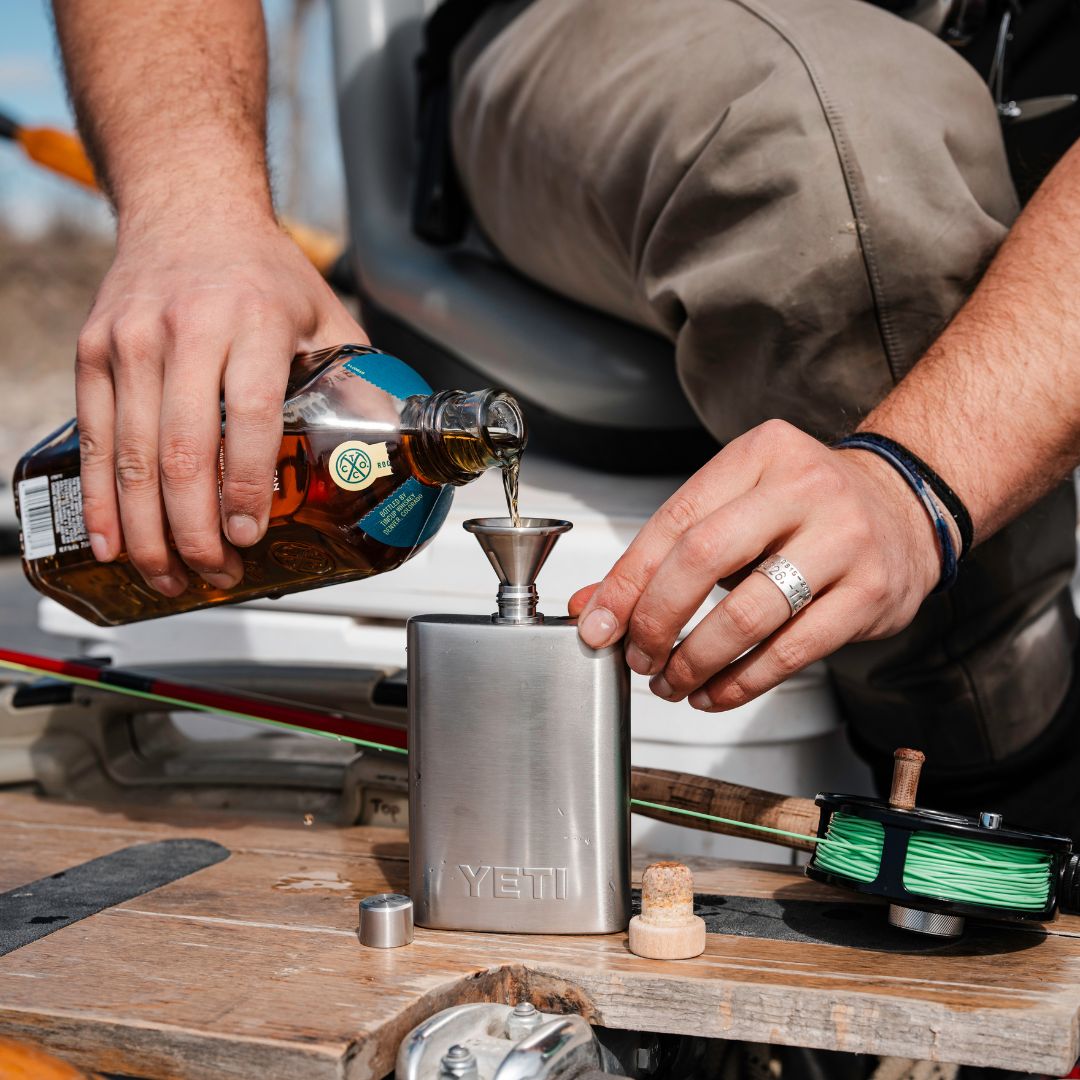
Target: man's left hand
<point>844,518</point>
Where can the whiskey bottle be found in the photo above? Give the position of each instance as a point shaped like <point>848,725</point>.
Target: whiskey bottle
<point>365,476</point>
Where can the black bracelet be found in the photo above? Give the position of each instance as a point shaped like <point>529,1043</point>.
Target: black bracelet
<point>949,562</point>
<point>949,499</point>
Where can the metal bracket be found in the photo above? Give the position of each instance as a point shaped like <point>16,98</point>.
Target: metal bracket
<point>518,1042</point>
<point>500,1042</point>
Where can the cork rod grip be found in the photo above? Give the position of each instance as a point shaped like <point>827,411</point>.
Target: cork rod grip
<point>707,796</point>
<point>907,765</point>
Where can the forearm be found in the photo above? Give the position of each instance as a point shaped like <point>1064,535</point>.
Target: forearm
<point>171,102</point>
<point>994,405</point>
<point>207,299</point>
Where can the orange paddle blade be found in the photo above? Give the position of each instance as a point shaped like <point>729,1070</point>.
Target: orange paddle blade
<point>63,153</point>
<point>19,1061</point>
<point>57,150</point>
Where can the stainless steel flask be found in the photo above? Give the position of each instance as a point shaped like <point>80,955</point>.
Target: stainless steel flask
<point>518,760</point>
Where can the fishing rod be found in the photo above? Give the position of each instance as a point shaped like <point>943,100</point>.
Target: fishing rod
<point>308,719</point>
<point>696,802</point>
<point>680,798</point>
<point>935,869</point>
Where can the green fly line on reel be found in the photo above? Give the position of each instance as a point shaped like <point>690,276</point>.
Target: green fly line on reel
<point>941,866</point>
<point>851,848</point>
<point>935,868</point>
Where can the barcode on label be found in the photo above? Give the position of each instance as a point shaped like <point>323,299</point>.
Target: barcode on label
<point>35,507</point>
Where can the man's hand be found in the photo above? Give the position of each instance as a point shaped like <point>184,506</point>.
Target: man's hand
<point>206,298</point>
<point>858,534</point>
<point>992,407</point>
<point>191,310</point>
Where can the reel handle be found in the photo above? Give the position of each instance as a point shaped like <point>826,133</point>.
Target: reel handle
<point>907,767</point>
<point>718,797</point>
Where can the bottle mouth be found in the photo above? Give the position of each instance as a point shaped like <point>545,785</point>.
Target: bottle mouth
<point>460,434</point>
<point>503,423</point>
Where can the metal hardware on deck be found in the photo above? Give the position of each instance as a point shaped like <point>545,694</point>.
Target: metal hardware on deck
<point>474,1042</point>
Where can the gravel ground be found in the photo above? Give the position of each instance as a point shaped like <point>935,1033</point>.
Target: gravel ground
<point>18,616</point>
<point>46,288</point>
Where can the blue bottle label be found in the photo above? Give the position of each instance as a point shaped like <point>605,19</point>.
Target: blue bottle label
<point>388,373</point>
<point>409,516</point>
<point>413,512</point>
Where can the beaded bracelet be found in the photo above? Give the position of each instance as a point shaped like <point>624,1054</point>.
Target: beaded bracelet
<point>904,462</point>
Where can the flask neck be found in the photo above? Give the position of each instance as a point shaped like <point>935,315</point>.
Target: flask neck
<point>460,434</point>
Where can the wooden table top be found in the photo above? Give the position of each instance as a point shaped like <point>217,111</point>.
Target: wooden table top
<point>252,968</point>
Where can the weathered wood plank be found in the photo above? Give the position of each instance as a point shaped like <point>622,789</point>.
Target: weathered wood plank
<point>251,967</point>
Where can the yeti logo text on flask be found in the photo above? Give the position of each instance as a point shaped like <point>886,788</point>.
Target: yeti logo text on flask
<point>515,882</point>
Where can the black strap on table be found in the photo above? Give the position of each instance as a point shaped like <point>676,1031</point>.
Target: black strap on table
<point>32,911</point>
<point>858,925</point>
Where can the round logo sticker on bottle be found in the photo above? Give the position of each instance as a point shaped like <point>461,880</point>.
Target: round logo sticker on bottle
<point>355,465</point>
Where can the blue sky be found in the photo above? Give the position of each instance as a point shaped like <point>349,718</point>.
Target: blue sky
<point>32,91</point>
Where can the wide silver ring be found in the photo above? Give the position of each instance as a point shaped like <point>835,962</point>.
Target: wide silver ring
<point>786,577</point>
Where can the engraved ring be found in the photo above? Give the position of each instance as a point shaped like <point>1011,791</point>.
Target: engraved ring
<point>786,577</point>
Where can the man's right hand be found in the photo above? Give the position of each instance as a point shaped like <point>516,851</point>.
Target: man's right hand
<point>206,296</point>
<point>191,310</point>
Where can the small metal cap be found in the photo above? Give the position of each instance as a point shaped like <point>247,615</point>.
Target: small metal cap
<point>989,819</point>
<point>386,921</point>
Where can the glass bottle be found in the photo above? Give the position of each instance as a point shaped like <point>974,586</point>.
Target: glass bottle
<point>365,477</point>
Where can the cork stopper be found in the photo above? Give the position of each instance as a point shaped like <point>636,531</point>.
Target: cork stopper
<point>667,894</point>
<point>667,928</point>
<point>907,765</point>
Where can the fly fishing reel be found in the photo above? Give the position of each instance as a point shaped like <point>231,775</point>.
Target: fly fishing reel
<point>936,869</point>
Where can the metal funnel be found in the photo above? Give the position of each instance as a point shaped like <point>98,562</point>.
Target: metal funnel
<point>516,554</point>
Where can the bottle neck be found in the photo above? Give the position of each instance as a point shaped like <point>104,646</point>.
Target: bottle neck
<point>459,435</point>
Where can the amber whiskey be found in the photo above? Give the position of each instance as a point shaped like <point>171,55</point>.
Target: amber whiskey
<point>368,464</point>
